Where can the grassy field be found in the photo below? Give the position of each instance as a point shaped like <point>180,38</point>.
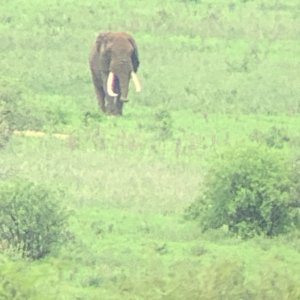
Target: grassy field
<point>214,73</point>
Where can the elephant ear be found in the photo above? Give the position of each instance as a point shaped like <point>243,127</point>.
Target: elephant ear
<point>135,55</point>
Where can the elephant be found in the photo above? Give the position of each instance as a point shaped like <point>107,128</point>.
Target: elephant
<point>113,62</point>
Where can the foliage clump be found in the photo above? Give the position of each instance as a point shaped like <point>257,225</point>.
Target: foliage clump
<point>5,126</point>
<point>250,190</point>
<point>275,137</point>
<point>8,94</point>
<point>32,218</point>
<point>163,124</point>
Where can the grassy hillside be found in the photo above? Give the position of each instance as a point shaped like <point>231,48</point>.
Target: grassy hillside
<point>214,73</point>
<point>207,56</point>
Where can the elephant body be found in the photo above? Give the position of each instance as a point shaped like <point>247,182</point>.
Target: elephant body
<point>113,62</point>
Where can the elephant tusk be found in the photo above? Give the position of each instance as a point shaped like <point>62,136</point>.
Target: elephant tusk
<point>110,80</point>
<point>136,82</point>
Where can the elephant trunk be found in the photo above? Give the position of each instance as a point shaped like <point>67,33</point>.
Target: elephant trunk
<point>124,85</point>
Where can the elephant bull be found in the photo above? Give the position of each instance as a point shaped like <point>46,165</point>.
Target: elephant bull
<point>113,62</point>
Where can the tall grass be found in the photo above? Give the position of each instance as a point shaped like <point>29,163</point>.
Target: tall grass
<point>214,73</point>
<point>209,57</point>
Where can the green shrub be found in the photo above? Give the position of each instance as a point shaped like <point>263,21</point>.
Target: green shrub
<point>275,137</point>
<point>9,280</point>
<point>163,125</point>
<point>16,112</point>
<point>251,190</point>
<point>32,218</point>
<point>8,95</point>
<point>5,126</point>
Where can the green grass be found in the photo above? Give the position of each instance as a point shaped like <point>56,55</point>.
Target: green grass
<point>213,73</point>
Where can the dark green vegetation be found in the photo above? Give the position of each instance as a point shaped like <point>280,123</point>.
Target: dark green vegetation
<point>217,75</point>
<point>32,218</point>
<point>252,190</point>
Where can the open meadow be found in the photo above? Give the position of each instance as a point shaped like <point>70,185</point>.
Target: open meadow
<point>216,75</point>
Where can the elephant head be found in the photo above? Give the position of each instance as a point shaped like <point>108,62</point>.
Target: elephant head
<point>113,62</point>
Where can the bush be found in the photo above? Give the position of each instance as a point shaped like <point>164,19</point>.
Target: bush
<point>251,190</point>
<point>275,137</point>
<point>32,218</point>
<point>15,112</point>
<point>8,95</point>
<point>10,279</point>
<point>163,125</point>
<point>5,126</point>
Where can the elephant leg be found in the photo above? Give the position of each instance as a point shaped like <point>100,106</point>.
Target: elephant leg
<point>114,106</point>
<point>101,96</point>
<point>119,107</point>
<point>110,105</point>
<point>99,91</point>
